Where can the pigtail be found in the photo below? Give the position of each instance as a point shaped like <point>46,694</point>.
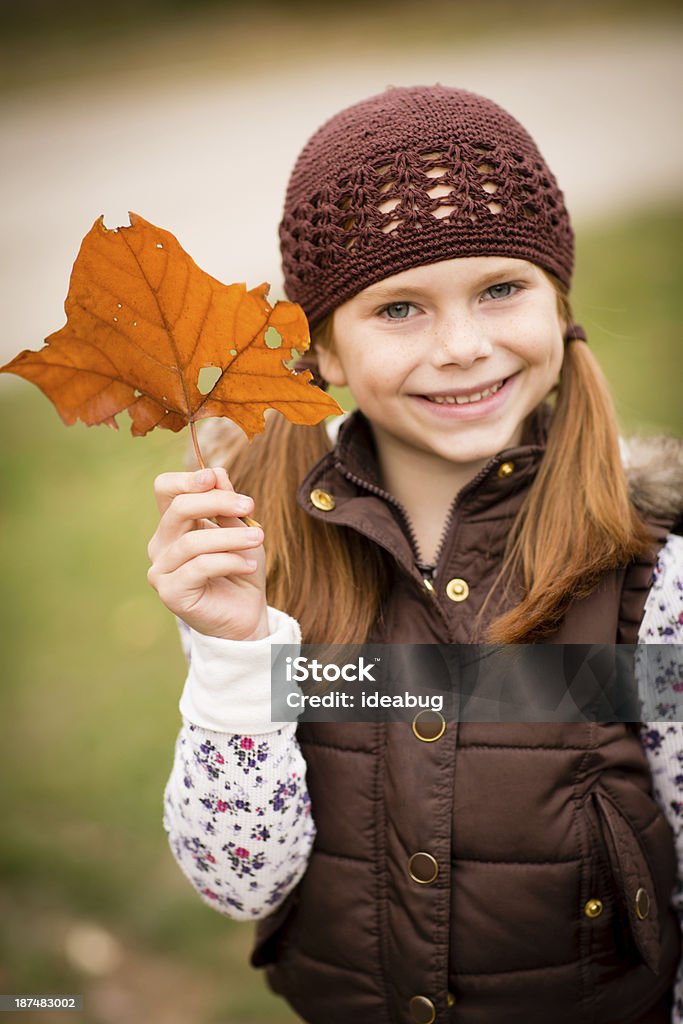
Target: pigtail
<point>577,522</point>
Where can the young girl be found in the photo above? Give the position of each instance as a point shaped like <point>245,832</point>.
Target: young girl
<point>431,871</point>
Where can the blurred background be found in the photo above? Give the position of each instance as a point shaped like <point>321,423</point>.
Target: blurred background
<point>191,114</point>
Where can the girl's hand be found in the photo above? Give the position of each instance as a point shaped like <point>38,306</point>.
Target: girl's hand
<point>213,577</point>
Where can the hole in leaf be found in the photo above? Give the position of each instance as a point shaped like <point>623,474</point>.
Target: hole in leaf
<point>206,379</point>
<point>233,351</point>
<point>273,338</point>
<point>138,394</point>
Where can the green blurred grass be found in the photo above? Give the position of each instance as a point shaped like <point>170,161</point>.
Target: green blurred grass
<point>93,668</point>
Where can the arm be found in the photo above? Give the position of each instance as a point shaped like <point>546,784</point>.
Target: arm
<point>663,740</point>
<point>236,807</point>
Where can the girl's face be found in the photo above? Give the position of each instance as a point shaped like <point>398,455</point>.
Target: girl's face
<point>450,358</point>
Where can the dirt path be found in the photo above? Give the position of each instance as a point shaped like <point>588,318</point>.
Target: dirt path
<point>209,158</point>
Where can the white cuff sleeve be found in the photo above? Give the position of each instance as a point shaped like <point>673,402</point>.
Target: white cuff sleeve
<point>228,684</point>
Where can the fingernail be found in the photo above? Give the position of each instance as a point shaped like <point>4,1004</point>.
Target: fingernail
<point>242,503</point>
<point>204,477</point>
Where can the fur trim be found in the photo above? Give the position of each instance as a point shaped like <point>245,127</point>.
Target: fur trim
<point>654,468</point>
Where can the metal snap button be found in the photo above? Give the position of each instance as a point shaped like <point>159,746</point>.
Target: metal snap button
<point>429,725</point>
<point>457,589</point>
<point>322,500</point>
<point>642,904</point>
<point>593,908</point>
<point>505,469</point>
<point>422,1010</point>
<point>423,868</point>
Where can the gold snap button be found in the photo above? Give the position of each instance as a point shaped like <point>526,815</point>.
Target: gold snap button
<point>457,590</point>
<point>322,500</point>
<point>642,904</point>
<point>450,999</point>
<point>422,1010</point>
<point>429,725</point>
<point>593,908</point>
<point>423,868</point>
<point>505,469</point>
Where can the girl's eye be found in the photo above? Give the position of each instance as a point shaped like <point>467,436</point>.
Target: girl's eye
<point>397,310</point>
<point>495,290</point>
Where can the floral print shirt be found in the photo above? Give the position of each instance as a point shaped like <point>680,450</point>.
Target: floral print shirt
<point>236,806</point>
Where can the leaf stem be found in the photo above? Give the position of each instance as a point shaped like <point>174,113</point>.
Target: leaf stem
<point>195,442</point>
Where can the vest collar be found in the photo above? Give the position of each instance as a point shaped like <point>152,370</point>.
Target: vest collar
<point>349,476</point>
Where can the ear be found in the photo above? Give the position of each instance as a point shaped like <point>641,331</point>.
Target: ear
<point>330,367</point>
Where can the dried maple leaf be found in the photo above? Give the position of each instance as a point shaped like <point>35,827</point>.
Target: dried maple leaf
<point>143,320</point>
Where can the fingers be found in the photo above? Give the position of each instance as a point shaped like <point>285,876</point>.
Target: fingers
<point>186,509</point>
<point>167,486</point>
<point>195,574</point>
<point>208,543</point>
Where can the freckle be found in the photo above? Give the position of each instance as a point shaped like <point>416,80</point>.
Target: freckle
<point>159,245</point>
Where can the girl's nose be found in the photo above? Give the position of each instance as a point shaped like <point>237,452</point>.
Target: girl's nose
<point>461,340</point>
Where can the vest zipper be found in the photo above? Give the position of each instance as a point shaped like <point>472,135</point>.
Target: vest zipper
<point>474,482</point>
<point>427,572</point>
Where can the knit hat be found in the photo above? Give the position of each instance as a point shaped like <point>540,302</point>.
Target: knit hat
<point>414,176</point>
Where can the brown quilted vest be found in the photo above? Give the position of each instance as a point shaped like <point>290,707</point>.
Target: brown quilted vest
<point>553,864</point>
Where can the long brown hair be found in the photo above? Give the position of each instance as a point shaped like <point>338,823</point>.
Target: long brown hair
<point>575,524</point>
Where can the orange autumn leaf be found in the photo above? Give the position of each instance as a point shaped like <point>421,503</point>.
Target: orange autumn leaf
<point>143,320</point>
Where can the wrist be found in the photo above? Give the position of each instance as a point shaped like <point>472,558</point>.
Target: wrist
<point>260,632</point>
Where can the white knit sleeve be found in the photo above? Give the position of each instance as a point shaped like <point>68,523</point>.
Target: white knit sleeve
<point>236,807</point>
<point>663,739</point>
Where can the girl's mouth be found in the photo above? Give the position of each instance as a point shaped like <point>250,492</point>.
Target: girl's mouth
<point>475,396</point>
<point>470,404</point>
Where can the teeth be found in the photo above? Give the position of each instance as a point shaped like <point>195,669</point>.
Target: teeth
<point>467,399</point>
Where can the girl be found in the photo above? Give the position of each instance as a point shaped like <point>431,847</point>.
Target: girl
<point>431,871</point>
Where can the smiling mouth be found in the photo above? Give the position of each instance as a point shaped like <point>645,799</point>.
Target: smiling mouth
<point>468,399</point>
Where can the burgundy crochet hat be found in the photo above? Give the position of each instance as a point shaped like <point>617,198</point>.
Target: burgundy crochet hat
<point>414,176</point>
